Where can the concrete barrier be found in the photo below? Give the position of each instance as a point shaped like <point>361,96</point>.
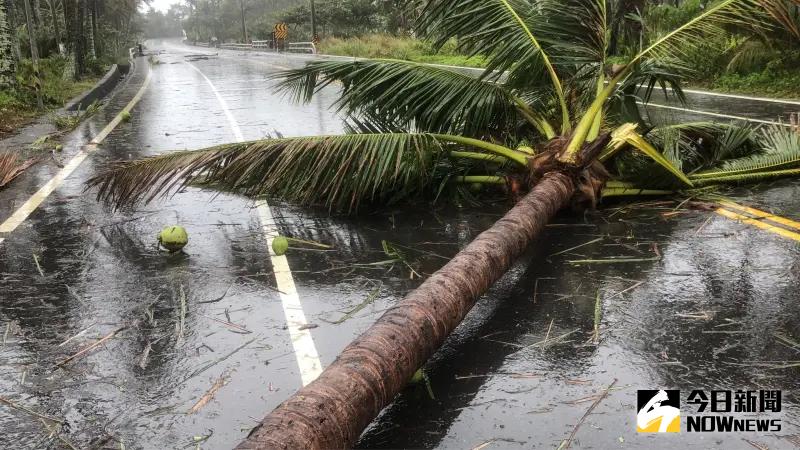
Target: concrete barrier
<point>98,91</point>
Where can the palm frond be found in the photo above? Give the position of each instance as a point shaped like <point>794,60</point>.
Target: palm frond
<point>408,94</point>
<point>631,192</point>
<point>501,30</point>
<point>627,134</point>
<point>339,172</point>
<point>780,12</point>
<point>749,54</point>
<point>749,177</point>
<point>696,145</point>
<point>780,151</point>
<point>575,32</point>
<point>712,22</point>
<point>673,46</point>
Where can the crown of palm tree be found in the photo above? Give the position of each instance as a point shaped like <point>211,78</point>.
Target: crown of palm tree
<point>416,128</point>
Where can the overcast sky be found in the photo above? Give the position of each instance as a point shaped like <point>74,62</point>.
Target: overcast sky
<point>162,5</point>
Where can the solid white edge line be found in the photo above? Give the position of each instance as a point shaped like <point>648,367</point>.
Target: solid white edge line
<point>302,341</point>
<point>35,200</point>
<point>707,113</point>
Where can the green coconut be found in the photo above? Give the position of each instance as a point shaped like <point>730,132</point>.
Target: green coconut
<point>279,245</point>
<point>173,238</point>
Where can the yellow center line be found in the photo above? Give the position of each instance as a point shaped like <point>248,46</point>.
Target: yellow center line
<point>759,224</point>
<point>35,200</point>
<point>761,214</point>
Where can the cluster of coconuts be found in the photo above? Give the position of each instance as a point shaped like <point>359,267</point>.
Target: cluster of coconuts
<point>175,237</point>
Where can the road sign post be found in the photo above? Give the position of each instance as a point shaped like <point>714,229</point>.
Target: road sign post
<point>281,33</point>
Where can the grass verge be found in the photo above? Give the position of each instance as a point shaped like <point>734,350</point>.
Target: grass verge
<point>392,47</point>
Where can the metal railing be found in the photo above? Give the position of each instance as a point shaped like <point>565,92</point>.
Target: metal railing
<point>293,47</point>
<point>302,47</point>
<point>237,46</point>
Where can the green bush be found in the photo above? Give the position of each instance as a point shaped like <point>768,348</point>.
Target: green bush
<point>769,82</point>
<point>20,101</point>
<point>392,47</point>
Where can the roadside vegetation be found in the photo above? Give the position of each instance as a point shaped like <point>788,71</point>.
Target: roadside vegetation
<point>393,47</point>
<point>18,103</point>
<point>748,60</point>
<point>50,52</point>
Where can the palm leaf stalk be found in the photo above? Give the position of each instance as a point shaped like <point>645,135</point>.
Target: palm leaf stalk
<point>418,128</point>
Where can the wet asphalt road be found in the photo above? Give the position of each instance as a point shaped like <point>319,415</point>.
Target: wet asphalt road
<point>704,308</point>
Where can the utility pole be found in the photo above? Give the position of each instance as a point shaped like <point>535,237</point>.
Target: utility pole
<point>313,21</point>
<point>244,24</point>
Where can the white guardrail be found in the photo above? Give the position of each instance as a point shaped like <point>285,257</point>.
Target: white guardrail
<point>302,47</point>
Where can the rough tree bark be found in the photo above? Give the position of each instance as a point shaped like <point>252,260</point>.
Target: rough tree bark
<point>95,37</point>
<point>332,411</point>
<point>74,27</point>
<point>8,65</point>
<point>56,25</point>
<point>88,31</point>
<point>37,80</point>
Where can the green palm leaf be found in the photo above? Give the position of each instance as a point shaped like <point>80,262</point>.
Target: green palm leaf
<point>499,29</point>
<point>409,94</point>
<point>626,134</point>
<point>672,47</point>
<point>339,172</point>
<point>711,23</point>
<point>780,151</point>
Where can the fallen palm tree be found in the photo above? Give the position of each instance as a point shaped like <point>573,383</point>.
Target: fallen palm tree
<point>557,130</point>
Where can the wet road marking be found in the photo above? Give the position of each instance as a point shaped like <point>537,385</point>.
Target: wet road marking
<point>27,208</point>
<point>761,214</point>
<point>758,223</point>
<point>713,114</point>
<point>302,341</point>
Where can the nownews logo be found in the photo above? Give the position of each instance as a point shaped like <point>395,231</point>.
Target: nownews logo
<point>660,411</point>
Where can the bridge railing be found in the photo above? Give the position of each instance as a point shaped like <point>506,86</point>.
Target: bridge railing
<point>237,46</point>
<point>302,47</point>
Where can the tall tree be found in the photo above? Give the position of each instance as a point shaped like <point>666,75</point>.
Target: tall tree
<point>54,16</point>
<point>8,66</point>
<point>416,128</point>
<point>88,28</point>
<point>73,18</point>
<point>37,76</point>
<point>11,23</point>
<point>94,17</point>
<point>244,23</point>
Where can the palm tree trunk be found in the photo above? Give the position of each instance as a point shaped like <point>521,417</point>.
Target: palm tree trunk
<point>8,65</point>
<point>332,411</point>
<point>9,27</point>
